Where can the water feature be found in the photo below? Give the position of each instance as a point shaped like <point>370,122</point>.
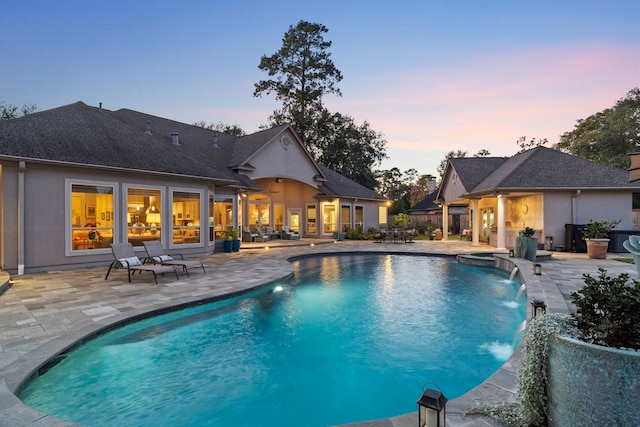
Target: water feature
<point>348,338</point>
<point>513,273</point>
<point>521,290</point>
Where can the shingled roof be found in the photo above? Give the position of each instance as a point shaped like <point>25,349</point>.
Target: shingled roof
<point>537,169</point>
<point>78,134</point>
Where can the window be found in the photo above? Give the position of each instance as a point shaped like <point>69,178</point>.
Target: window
<point>345,217</point>
<point>359,217</point>
<point>311,219</point>
<point>186,217</point>
<point>329,218</point>
<point>91,216</point>
<point>382,215</point>
<point>144,216</point>
<point>259,211</point>
<point>278,216</point>
<point>211,213</point>
<point>223,213</point>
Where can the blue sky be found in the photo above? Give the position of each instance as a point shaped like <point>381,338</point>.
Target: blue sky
<point>431,76</point>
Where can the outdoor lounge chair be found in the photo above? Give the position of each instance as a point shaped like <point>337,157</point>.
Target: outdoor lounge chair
<point>127,258</point>
<point>287,234</point>
<point>157,255</point>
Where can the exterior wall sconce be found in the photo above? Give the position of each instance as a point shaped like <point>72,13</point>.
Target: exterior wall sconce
<point>537,269</point>
<point>538,307</point>
<point>431,407</point>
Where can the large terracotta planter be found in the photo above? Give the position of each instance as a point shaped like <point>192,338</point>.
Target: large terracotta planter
<point>597,248</point>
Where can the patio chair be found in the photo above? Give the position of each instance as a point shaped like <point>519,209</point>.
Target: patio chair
<point>633,245</point>
<point>157,255</point>
<point>127,258</point>
<point>288,234</point>
<point>260,237</point>
<point>248,235</point>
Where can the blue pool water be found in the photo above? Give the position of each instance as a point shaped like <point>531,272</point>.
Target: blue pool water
<point>348,338</point>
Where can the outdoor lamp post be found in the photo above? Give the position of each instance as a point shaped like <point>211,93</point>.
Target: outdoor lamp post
<point>431,407</point>
<point>511,253</point>
<point>537,269</point>
<point>538,307</point>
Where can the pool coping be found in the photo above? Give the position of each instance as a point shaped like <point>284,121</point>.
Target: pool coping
<point>500,387</point>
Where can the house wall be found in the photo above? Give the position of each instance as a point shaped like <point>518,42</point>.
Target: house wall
<point>604,204</point>
<point>557,213</point>
<point>46,232</point>
<point>279,161</point>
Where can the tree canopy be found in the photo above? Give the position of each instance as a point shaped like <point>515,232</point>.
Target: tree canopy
<point>221,127</point>
<point>302,72</point>
<point>607,136</point>
<point>8,111</point>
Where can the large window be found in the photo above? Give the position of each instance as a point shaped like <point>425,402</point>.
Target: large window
<point>223,216</point>
<point>259,211</point>
<point>311,219</point>
<point>345,217</point>
<point>186,217</point>
<point>329,218</point>
<point>91,216</point>
<point>144,216</point>
<point>278,216</point>
<point>382,216</point>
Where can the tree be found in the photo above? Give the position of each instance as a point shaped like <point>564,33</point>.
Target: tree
<point>221,127</point>
<point>534,142</point>
<point>482,153</point>
<point>302,73</point>
<point>443,163</point>
<point>348,148</point>
<point>8,111</point>
<point>607,136</point>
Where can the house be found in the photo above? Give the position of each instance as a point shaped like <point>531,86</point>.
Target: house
<point>428,210</point>
<point>76,178</point>
<point>541,188</point>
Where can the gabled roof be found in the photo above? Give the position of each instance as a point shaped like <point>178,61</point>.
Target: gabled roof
<point>338,185</point>
<point>534,170</point>
<point>428,203</point>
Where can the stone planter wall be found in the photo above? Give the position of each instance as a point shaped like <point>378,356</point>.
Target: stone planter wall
<point>591,385</point>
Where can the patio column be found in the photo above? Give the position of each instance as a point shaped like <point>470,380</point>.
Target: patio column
<point>475,223</point>
<point>500,222</point>
<point>445,222</point>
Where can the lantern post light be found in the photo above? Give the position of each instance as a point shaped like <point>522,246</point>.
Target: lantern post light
<point>537,269</point>
<point>538,307</point>
<point>431,407</point>
<point>511,253</point>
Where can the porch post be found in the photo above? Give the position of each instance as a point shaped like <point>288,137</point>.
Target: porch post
<point>500,222</point>
<point>475,223</point>
<point>445,222</point>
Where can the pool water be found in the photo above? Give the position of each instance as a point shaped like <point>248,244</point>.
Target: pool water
<point>349,338</point>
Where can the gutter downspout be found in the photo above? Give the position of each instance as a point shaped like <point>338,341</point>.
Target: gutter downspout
<point>20,218</point>
<point>573,206</point>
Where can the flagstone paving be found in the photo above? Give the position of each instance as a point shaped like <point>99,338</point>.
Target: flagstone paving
<point>43,314</point>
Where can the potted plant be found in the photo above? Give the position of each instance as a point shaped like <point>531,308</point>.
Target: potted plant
<point>230,237</point>
<point>526,245</point>
<point>438,234</point>
<point>596,235</point>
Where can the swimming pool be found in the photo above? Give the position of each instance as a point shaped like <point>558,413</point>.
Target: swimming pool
<point>348,338</point>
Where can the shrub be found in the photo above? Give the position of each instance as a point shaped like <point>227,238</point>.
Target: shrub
<point>608,310</point>
<point>599,229</point>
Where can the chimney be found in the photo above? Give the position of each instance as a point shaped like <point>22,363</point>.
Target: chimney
<point>215,140</point>
<point>148,131</point>
<point>175,139</point>
<point>431,184</point>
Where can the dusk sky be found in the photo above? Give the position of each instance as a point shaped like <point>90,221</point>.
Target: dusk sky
<point>431,76</point>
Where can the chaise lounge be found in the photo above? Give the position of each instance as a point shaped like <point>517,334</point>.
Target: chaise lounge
<point>127,258</point>
<point>157,255</point>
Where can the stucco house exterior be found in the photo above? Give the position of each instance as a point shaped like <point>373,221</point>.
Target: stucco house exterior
<point>78,177</point>
<point>541,188</point>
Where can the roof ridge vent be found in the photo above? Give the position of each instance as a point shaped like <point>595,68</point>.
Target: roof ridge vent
<point>215,140</point>
<point>175,138</point>
<point>148,131</point>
